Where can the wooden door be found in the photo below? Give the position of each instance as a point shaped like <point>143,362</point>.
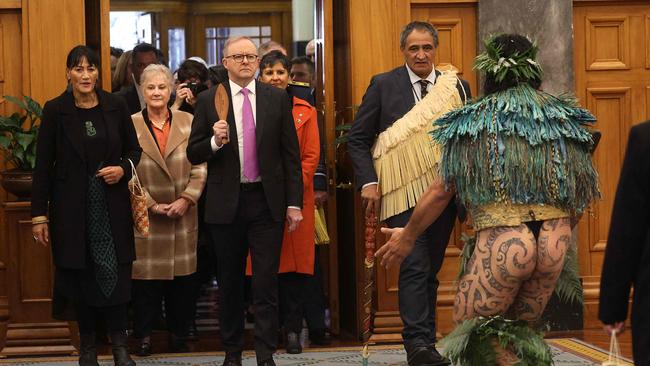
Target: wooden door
<point>612,77</point>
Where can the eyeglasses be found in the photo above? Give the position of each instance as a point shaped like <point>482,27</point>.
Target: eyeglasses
<point>240,58</point>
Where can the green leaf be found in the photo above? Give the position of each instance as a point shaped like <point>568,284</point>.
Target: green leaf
<point>5,142</point>
<point>24,139</point>
<point>11,121</point>
<point>33,107</point>
<point>15,101</point>
<point>343,127</point>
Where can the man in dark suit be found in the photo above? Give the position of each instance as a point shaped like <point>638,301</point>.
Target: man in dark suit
<point>627,256</point>
<point>254,184</point>
<point>390,96</point>
<point>142,55</point>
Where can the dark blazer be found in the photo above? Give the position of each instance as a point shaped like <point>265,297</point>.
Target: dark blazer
<point>627,256</point>
<point>130,96</point>
<point>387,99</point>
<point>60,177</point>
<point>278,155</point>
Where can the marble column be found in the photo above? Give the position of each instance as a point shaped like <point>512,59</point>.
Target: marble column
<point>549,22</point>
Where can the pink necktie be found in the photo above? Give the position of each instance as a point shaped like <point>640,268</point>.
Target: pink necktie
<point>251,170</point>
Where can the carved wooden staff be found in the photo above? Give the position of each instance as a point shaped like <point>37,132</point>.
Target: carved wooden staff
<point>369,271</point>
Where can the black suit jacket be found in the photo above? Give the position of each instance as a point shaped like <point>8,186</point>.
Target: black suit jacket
<point>130,96</point>
<point>627,256</point>
<point>387,99</point>
<point>278,154</point>
<point>60,177</point>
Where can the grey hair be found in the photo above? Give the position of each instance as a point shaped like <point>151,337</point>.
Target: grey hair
<point>155,69</point>
<point>232,40</point>
<point>421,26</point>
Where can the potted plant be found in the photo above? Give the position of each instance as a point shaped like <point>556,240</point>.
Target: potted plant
<point>18,134</point>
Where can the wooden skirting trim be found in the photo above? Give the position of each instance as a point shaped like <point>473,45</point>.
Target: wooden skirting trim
<point>37,339</point>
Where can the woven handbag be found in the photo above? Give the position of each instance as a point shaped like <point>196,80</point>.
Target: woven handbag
<point>138,203</point>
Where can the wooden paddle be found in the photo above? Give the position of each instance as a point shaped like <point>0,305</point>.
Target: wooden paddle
<point>221,104</point>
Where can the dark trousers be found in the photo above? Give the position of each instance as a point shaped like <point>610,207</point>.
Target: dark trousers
<point>115,317</point>
<point>254,229</point>
<point>314,299</point>
<point>147,304</point>
<point>292,298</point>
<point>417,278</point>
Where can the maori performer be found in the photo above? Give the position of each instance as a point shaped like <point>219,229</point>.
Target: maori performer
<point>394,162</point>
<point>519,160</point>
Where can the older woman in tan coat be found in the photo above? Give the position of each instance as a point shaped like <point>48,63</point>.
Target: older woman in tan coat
<point>166,259</point>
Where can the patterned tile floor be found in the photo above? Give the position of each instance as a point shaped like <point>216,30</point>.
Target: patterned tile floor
<point>566,352</point>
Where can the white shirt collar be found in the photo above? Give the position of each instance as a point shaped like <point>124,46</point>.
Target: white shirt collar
<point>235,89</point>
<point>414,78</point>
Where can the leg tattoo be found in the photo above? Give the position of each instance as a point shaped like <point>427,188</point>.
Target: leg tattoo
<point>503,259</point>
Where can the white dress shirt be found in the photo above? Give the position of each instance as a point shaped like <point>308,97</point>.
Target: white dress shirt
<point>237,104</point>
<point>415,82</point>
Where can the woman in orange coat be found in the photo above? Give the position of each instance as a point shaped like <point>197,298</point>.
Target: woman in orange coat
<point>297,257</point>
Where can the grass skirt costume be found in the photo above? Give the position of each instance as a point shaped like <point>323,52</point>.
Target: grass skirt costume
<point>515,156</point>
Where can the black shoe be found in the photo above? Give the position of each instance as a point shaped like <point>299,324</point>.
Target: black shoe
<point>144,350</point>
<point>268,362</point>
<point>119,348</point>
<point>319,337</point>
<point>440,360</point>
<point>293,344</point>
<point>178,345</point>
<point>232,359</point>
<point>88,350</point>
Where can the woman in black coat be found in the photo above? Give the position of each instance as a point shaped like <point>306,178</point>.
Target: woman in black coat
<point>80,204</point>
<point>627,256</point>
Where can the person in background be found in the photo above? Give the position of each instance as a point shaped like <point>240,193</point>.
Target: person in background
<point>254,185</point>
<point>122,78</point>
<point>192,79</point>
<point>142,56</point>
<point>310,50</point>
<point>217,74</point>
<point>115,55</point>
<point>269,46</point>
<point>628,248</point>
<point>298,249</point>
<point>81,207</point>
<point>166,259</point>
<point>302,70</point>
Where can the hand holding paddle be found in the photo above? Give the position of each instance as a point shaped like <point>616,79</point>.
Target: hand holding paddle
<point>221,103</point>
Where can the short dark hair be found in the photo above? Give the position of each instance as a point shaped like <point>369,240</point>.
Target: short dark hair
<point>274,57</point>
<point>421,26</point>
<point>117,52</point>
<point>509,45</point>
<point>218,74</point>
<point>192,69</point>
<point>80,52</point>
<point>145,48</point>
<point>300,60</point>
